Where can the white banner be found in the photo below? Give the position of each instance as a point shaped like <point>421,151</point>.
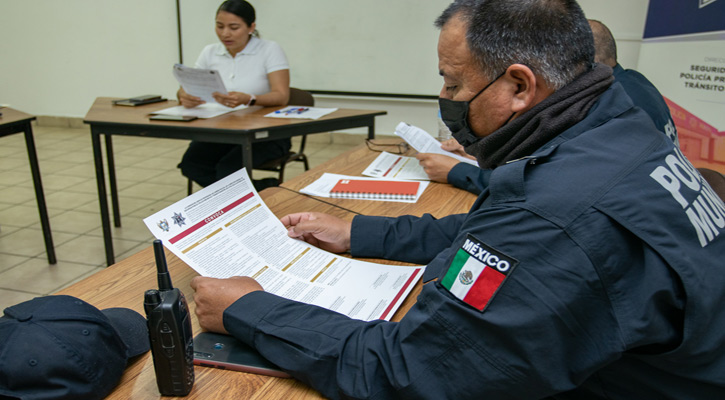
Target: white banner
<point>683,55</point>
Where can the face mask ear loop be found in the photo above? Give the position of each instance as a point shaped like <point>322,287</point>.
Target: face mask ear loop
<point>486,87</point>
<point>508,120</point>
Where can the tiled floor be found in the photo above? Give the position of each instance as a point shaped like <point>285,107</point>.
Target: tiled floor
<point>148,181</point>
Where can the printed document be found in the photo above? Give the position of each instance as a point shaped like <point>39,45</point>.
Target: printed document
<point>227,230</point>
<point>199,82</point>
<point>423,142</point>
<point>395,166</point>
<point>206,110</point>
<point>301,112</point>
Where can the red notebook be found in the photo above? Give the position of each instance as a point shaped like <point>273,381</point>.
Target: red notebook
<point>375,190</point>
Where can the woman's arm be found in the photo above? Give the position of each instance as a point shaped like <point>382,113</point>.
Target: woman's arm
<point>278,94</point>
<point>188,100</point>
<point>278,89</point>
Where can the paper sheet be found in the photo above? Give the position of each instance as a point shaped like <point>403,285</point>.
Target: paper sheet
<point>301,112</point>
<point>199,82</point>
<point>206,110</point>
<point>322,186</point>
<point>395,166</point>
<point>423,142</point>
<point>226,230</point>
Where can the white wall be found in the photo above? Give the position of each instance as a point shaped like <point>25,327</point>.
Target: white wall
<point>58,56</point>
<point>342,45</point>
<point>625,18</point>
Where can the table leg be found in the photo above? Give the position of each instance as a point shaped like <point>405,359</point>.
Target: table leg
<point>371,129</point>
<point>39,196</point>
<point>112,182</point>
<point>102,201</point>
<point>247,155</point>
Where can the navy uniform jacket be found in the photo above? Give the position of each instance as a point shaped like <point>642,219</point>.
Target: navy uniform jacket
<point>646,96</point>
<point>469,177</point>
<point>617,290</point>
<point>642,92</point>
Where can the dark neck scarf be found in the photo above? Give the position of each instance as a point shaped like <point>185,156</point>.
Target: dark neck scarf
<point>536,127</point>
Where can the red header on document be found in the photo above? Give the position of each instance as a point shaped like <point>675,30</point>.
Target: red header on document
<point>210,218</point>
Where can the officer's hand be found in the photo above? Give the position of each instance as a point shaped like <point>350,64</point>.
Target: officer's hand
<point>213,296</point>
<point>321,230</point>
<point>437,166</point>
<point>453,146</point>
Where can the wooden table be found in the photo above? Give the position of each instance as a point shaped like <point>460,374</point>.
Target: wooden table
<point>242,127</point>
<point>13,121</point>
<point>438,199</point>
<point>123,285</point>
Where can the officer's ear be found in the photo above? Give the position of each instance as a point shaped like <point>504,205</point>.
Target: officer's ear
<point>525,88</point>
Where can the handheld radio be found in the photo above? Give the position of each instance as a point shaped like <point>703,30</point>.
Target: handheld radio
<point>169,323</point>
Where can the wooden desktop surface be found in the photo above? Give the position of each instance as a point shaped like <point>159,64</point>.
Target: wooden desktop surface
<point>104,112</point>
<point>124,283</point>
<point>438,199</point>
<point>242,127</point>
<point>11,116</point>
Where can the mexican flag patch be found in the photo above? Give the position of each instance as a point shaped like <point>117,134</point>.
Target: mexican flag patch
<point>476,273</point>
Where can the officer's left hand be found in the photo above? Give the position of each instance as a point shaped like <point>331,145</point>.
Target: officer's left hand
<point>213,296</point>
<point>318,229</point>
<point>436,166</point>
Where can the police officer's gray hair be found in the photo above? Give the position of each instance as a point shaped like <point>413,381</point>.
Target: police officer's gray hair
<point>552,37</point>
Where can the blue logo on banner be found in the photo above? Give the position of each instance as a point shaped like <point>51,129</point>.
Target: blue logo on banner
<point>684,17</point>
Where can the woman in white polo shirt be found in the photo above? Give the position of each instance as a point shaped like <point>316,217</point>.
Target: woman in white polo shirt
<point>254,71</point>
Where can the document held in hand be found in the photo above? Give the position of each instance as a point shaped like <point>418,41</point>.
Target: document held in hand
<point>423,142</point>
<point>199,82</point>
<point>227,230</point>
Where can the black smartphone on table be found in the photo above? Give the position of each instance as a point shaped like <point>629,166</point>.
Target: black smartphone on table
<point>226,352</point>
<point>182,118</point>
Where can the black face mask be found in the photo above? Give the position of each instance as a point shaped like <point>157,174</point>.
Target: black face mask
<point>455,115</point>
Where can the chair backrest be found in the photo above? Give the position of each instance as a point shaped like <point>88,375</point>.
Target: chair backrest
<point>716,181</point>
<point>299,97</point>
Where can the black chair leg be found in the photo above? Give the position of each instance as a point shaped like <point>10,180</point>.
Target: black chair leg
<point>281,171</point>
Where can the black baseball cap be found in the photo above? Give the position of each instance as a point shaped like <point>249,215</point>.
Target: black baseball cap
<point>60,347</point>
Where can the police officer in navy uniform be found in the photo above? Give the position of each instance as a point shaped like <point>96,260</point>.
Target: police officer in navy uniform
<point>590,267</point>
<point>643,93</point>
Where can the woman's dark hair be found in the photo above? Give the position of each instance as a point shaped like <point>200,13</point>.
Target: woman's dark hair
<point>241,9</point>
